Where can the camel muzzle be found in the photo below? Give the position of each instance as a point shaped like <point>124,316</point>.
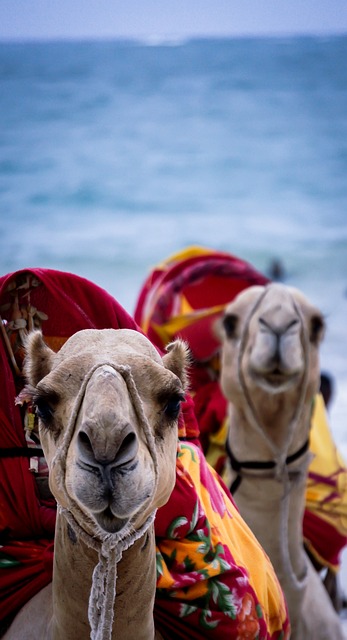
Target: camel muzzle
<point>102,447</point>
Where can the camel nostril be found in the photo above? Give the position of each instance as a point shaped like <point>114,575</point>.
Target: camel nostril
<point>127,450</point>
<point>85,444</point>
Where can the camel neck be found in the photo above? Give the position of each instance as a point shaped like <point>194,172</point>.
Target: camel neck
<point>273,508</point>
<point>74,563</point>
<point>265,439</point>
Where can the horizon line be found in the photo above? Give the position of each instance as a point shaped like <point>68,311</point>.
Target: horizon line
<point>156,40</point>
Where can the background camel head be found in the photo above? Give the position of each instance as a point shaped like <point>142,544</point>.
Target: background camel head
<point>270,337</point>
<point>108,408</point>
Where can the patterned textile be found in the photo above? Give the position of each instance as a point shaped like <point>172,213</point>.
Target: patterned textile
<point>238,586</point>
<point>215,581</point>
<point>183,297</point>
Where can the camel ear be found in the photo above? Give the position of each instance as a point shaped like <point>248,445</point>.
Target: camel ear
<point>38,359</point>
<point>177,360</point>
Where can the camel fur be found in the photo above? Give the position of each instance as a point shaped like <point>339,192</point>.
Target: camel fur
<point>270,374</point>
<point>108,408</point>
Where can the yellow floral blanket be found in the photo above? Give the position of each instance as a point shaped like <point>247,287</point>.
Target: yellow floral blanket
<point>214,579</point>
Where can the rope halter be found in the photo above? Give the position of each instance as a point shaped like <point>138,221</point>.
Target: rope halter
<point>109,546</point>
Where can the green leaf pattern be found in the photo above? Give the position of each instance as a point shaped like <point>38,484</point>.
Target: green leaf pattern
<point>172,531</point>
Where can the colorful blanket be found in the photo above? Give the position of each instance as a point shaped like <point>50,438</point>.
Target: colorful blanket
<point>183,297</point>
<point>214,580</point>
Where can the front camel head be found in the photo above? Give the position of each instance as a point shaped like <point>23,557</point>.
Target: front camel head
<point>108,408</point>
<point>270,340</point>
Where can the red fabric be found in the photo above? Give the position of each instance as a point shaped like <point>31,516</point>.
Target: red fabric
<point>324,540</point>
<point>20,583</point>
<point>210,410</point>
<point>26,524</point>
<point>188,428</point>
<point>205,281</point>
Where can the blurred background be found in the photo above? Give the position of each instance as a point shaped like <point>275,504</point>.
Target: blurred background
<point>130,130</point>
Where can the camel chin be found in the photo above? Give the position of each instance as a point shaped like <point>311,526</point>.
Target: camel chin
<point>109,523</point>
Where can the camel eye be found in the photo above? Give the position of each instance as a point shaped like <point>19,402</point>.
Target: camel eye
<point>43,409</point>
<point>317,326</point>
<point>172,407</point>
<point>229,324</point>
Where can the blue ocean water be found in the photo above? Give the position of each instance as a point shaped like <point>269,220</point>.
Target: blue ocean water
<point>114,155</point>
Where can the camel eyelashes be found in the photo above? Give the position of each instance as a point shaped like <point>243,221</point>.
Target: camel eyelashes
<point>172,407</point>
<point>229,324</point>
<point>43,409</point>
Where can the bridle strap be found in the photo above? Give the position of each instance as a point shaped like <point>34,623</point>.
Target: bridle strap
<point>258,464</point>
<point>21,452</point>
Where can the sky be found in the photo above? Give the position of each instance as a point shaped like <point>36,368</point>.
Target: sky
<point>161,20</point>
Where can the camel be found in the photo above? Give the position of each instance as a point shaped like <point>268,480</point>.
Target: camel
<point>108,408</point>
<point>270,340</point>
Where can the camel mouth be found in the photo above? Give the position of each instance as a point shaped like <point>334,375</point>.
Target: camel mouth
<point>110,523</point>
<point>275,379</point>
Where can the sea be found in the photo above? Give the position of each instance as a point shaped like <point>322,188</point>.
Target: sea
<point>116,154</point>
